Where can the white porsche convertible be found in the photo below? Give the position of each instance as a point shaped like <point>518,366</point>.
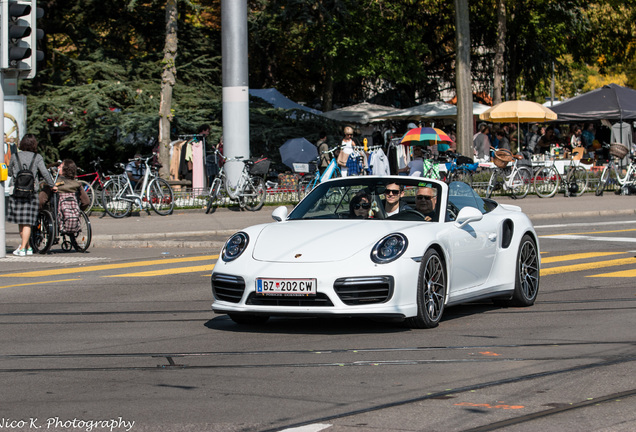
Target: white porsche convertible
<point>385,247</point>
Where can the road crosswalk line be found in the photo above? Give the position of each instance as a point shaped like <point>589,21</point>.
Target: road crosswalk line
<point>572,257</point>
<point>164,272</point>
<point>69,270</point>
<point>587,266</point>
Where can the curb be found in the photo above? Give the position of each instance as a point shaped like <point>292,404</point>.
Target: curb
<point>591,213</point>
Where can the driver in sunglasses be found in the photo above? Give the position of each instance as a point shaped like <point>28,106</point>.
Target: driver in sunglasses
<point>426,202</point>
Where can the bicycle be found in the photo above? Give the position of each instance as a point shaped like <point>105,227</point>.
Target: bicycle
<point>250,189</point>
<point>118,194</point>
<point>515,179</point>
<point>547,178</point>
<point>48,230</point>
<point>611,172</point>
<point>96,182</point>
<point>308,181</point>
<point>459,168</point>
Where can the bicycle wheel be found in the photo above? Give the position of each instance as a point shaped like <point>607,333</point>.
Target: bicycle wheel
<point>305,185</point>
<point>213,196</point>
<point>43,232</point>
<point>113,198</point>
<point>91,195</point>
<point>521,182</point>
<point>577,181</point>
<point>82,239</point>
<point>254,193</point>
<point>161,196</point>
<point>546,181</point>
<point>495,182</point>
<point>461,175</point>
<point>607,176</point>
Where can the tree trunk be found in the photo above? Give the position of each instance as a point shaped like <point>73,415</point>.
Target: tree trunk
<point>463,80</point>
<point>499,51</point>
<point>327,88</point>
<point>168,80</point>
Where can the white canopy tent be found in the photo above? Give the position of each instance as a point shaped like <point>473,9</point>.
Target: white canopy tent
<point>431,110</point>
<point>362,113</point>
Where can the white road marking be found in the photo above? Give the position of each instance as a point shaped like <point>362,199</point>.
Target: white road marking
<point>585,224</point>
<point>309,428</point>
<point>590,238</point>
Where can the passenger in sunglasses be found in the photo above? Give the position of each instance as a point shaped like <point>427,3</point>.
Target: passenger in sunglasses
<point>393,203</point>
<point>360,206</point>
<point>426,203</point>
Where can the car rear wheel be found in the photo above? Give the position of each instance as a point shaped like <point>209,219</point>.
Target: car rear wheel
<point>526,276</point>
<point>431,291</point>
<point>248,319</point>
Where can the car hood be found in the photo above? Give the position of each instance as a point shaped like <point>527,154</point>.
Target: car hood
<point>316,241</point>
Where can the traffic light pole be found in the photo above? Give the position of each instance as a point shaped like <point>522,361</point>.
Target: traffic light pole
<point>3,233</point>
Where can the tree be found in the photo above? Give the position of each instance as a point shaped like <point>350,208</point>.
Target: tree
<point>464,87</point>
<point>168,80</point>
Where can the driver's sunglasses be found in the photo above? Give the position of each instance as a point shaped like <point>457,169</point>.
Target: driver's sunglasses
<point>392,191</point>
<point>425,197</point>
<point>365,206</point>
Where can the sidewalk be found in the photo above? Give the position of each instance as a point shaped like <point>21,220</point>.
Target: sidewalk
<point>195,229</point>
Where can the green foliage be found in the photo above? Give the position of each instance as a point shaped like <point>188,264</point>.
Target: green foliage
<point>98,92</point>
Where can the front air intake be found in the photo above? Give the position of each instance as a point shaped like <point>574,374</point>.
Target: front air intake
<point>364,290</point>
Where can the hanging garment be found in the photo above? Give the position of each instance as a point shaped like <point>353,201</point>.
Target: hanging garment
<point>198,165</point>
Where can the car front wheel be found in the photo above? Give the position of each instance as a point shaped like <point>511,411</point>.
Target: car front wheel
<point>431,291</point>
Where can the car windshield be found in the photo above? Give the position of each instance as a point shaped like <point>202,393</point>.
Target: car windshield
<point>373,198</point>
<point>461,195</point>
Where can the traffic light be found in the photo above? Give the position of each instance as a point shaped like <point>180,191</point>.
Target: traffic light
<point>19,36</point>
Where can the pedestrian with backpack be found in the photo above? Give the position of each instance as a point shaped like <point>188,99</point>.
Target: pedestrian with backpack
<point>23,203</point>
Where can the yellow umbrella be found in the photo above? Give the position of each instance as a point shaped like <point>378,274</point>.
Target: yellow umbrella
<point>518,111</point>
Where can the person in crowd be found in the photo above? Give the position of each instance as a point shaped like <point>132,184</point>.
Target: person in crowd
<point>24,210</point>
<point>546,141</point>
<point>426,202</point>
<point>360,206</point>
<point>135,170</point>
<point>347,147</point>
<point>532,138</point>
<point>322,147</point>
<point>393,203</point>
<point>588,135</point>
<point>574,137</point>
<point>416,164</point>
<point>502,139</point>
<point>481,144</point>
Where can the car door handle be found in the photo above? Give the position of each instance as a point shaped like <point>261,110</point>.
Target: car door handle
<point>492,236</point>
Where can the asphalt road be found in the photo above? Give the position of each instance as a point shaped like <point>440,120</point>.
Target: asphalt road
<point>127,334</point>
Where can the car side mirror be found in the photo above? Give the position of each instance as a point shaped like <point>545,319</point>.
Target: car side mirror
<point>468,215</point>
<point>279,214</point>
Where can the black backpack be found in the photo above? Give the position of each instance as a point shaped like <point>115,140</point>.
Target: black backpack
<point>24,186</point>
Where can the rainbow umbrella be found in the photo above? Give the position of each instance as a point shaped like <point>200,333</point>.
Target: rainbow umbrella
<point>425,136</point>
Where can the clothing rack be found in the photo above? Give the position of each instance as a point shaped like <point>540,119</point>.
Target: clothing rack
<point>202,139</point>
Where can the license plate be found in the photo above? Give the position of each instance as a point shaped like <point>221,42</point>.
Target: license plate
<point>287,287</point>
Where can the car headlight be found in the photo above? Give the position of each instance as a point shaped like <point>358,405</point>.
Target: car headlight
<point>235,246</point>
<point>389,248</point>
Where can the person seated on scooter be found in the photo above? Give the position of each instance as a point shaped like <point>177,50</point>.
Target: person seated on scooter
<point>135,170</point>
<point>67,182</point>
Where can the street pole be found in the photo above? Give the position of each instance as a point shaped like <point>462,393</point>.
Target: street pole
<point>3,232</point>
<point>236,121</point>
